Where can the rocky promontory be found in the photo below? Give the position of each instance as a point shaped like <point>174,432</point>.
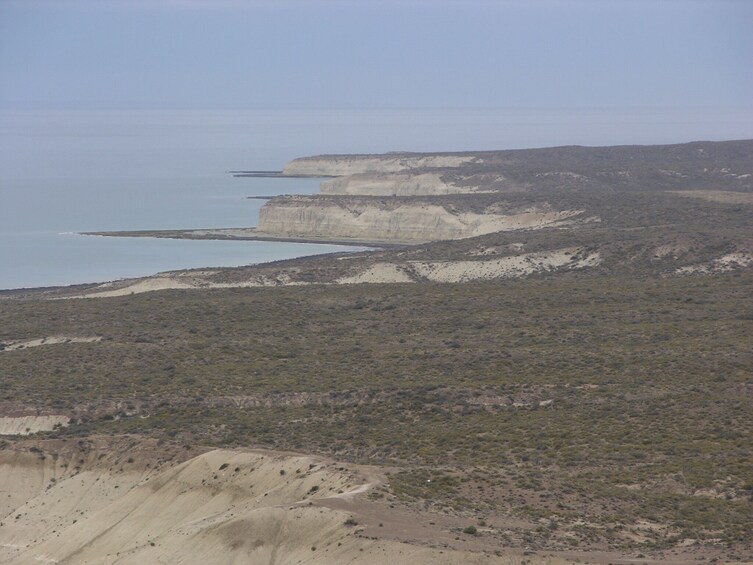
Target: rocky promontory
<point>403,197</point>
<point>671,210</point>
<point>420,197</point>
<point>338,165</point>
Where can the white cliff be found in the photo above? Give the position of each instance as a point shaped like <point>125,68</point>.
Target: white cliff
<point>396,184</point>
<point>396,220</point>
<point>339,165</point>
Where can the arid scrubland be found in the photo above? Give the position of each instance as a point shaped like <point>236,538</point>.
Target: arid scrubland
<point>578,391</point>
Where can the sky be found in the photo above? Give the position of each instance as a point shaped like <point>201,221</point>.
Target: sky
<point>369,54</point>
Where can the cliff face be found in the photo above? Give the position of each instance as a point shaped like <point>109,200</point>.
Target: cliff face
<point>339,165</point>
<point>402,218</point>
<point>395,221</point>
<point>570,178</point>
<point>375,184</point>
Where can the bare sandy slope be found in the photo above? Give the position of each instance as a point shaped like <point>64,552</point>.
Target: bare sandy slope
<point>31,424</point>
<point>723,264</point>
<point>721,196</point>
<point>506,267</point>
<point>52,340</point>
<point>512,266</point>
<point>103,507</point>
<point>180,280</point>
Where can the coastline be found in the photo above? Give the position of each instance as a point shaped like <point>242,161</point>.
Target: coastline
<point>149,205</point>
<point>221,234</point>
<point>249,234</point>
<point>278,175</point>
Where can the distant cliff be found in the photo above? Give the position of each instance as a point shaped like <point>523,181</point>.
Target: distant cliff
<point>339,165</point>
<point>396,184</point>
<point>417,197</point>
<point>396,220</point>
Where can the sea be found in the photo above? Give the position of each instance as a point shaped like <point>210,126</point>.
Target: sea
<point>64,172</point>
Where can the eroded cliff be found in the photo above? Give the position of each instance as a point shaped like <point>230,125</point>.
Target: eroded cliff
<point>396,184</point>
<point>386,208</point>
<point>552,175</point>
<point>408,221</point>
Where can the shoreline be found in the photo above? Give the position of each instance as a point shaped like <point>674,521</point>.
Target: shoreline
<point>220,234</point>
<point>250,234</point>
<point>212,234</point>
<point>277,175</point>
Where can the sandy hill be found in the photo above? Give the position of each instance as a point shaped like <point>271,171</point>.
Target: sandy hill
<point>89,504</point>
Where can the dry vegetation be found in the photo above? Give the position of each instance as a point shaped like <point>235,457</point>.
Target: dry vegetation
<point>603,409</point>
<point>592,403</point>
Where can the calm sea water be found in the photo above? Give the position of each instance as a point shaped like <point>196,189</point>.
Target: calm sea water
<point>66,172</point>
<point>39,246</point>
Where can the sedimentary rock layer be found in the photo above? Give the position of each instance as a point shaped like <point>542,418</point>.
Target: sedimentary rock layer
<point>396,220</point>
<point>397,184</point>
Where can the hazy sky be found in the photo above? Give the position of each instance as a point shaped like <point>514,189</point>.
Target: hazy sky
<point>221,54</point>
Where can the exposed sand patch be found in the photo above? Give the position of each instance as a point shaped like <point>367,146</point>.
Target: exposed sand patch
<point>379,273</point>
<point>465,271</point>
<point>504,267</point>
<point>143,285</point>
<point>385,272</point>
<point>187,281</point>
<point>723,264</point>
<point>670,250</point>
<point>722,196</point>
<point>26,425</point>
<point>51,340</point>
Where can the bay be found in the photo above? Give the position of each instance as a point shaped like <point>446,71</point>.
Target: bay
<point>39,245</point>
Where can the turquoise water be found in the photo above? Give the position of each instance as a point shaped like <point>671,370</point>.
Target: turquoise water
<point>63,173</point>
<point>66,172</point>
<point>39,246</point>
